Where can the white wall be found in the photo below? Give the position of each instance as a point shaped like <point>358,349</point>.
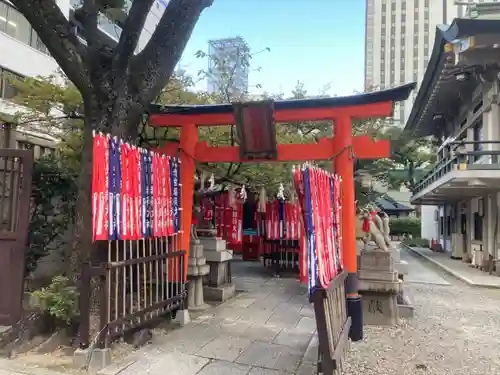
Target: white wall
<point>428,224</point>
<point>22,59</point>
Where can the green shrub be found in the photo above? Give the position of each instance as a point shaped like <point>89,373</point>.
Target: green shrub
<point>59,300</point>
<point>53,198</point>
<point>406,226</point>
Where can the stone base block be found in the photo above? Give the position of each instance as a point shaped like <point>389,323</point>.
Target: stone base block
<point>406,309</point>
<point>396,254</point>
<point>380,286</point>
<point>220,293</point>
<point>218,256</point>
<point>402,267</point>
<point>380,309</point>
<point>182,317</point>
<point>376,260</point>
<point>92,360</point>
<point>213,244</point>
<point>377,275</point>
<point>220,274</point>
<point>198,270</point>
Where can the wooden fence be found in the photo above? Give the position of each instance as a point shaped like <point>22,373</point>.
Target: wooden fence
<point>140,282</point>
<point>333,325</point>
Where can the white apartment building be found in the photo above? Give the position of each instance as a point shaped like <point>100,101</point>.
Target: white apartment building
<point>399,41</point>
<point>23,54</point>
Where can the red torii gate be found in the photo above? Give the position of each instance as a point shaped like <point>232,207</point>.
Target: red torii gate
<point>341,110</point>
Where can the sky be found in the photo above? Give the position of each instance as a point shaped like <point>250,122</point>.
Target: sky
<point>317,42</point>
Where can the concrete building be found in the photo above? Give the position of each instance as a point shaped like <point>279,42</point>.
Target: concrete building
<point>398,42</point>
<point>459,103</point>
<point>228,64</point>
<point>24,55</point>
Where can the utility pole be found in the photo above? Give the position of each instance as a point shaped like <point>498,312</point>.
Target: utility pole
<point>445,12</point>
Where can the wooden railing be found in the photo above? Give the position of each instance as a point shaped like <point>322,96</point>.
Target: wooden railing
<point>459,159</point>
<point>332,325</point>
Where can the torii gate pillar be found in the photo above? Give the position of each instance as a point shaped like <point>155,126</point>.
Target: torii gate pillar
<point>344,167</point>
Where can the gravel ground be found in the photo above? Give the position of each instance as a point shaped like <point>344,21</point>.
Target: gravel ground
<point>455,331</point>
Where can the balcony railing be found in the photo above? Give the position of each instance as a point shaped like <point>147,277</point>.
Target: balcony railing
<point>459,158</point>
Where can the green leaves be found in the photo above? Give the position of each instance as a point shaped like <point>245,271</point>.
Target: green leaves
<point>59,299</point>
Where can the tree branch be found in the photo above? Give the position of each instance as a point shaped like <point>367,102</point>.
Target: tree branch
<point>55,32</point>
<point>154,65</point>
<point>90,14</point>
<point>131,33</point>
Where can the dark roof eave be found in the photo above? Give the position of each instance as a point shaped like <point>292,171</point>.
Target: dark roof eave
<point>459,28</point>
<point>396,94</point>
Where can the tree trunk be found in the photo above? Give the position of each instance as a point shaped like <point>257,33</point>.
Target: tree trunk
<point>108,121</point>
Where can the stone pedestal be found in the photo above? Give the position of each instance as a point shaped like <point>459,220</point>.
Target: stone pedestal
<point>379,287</point>
<point>197,269</point>
<point>401,265</point>
<point>219,285</point>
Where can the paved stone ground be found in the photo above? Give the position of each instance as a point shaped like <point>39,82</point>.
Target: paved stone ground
<point>265,330</point>
<point>455,331</point>
<point>462,271</point>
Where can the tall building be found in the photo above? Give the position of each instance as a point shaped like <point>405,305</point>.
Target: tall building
<point>399,40</point>
<point>228,66</point>
<point>24,55</point>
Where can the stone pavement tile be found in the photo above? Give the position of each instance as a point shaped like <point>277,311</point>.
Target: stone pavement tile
<point>262,332</point>
<point>306,369</point>
<point>224,348</point>
<point>227,327</point>
<point>293,338</point>
<point>278,296</point>
<point>217,367</point>
<point>240,301</point>
<point>288,308</point>
<point>288,360</point>
<point>260,354</point>
<point>266,303</point>
<point>283,319</point>
<point>265,371</point>
<point>186,340</point>
<point>228,311</point>
<point>175,363</point>
<point>311,355</point>
<point>256,315</point>
<point>271,356</point>
<point>306,324</point>
<point>307,310</point>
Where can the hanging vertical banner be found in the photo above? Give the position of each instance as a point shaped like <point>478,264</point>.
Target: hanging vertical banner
<point>115,179</point>
<point>319,200</point>
<point>174,176</point>
<point>100,191</point>
<point>135,192</point>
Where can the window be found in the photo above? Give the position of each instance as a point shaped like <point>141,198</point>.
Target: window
<point>7,87</point>
<point>22,145</point>
<point>448,226</point>
<point>478,227</point>
<point>478,135</point>
<point>13,23</point>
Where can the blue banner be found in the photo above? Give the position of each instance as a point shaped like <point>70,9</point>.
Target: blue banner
<point>114,188</point>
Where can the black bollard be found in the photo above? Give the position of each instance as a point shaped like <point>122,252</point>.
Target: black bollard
<point>355,312</point>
